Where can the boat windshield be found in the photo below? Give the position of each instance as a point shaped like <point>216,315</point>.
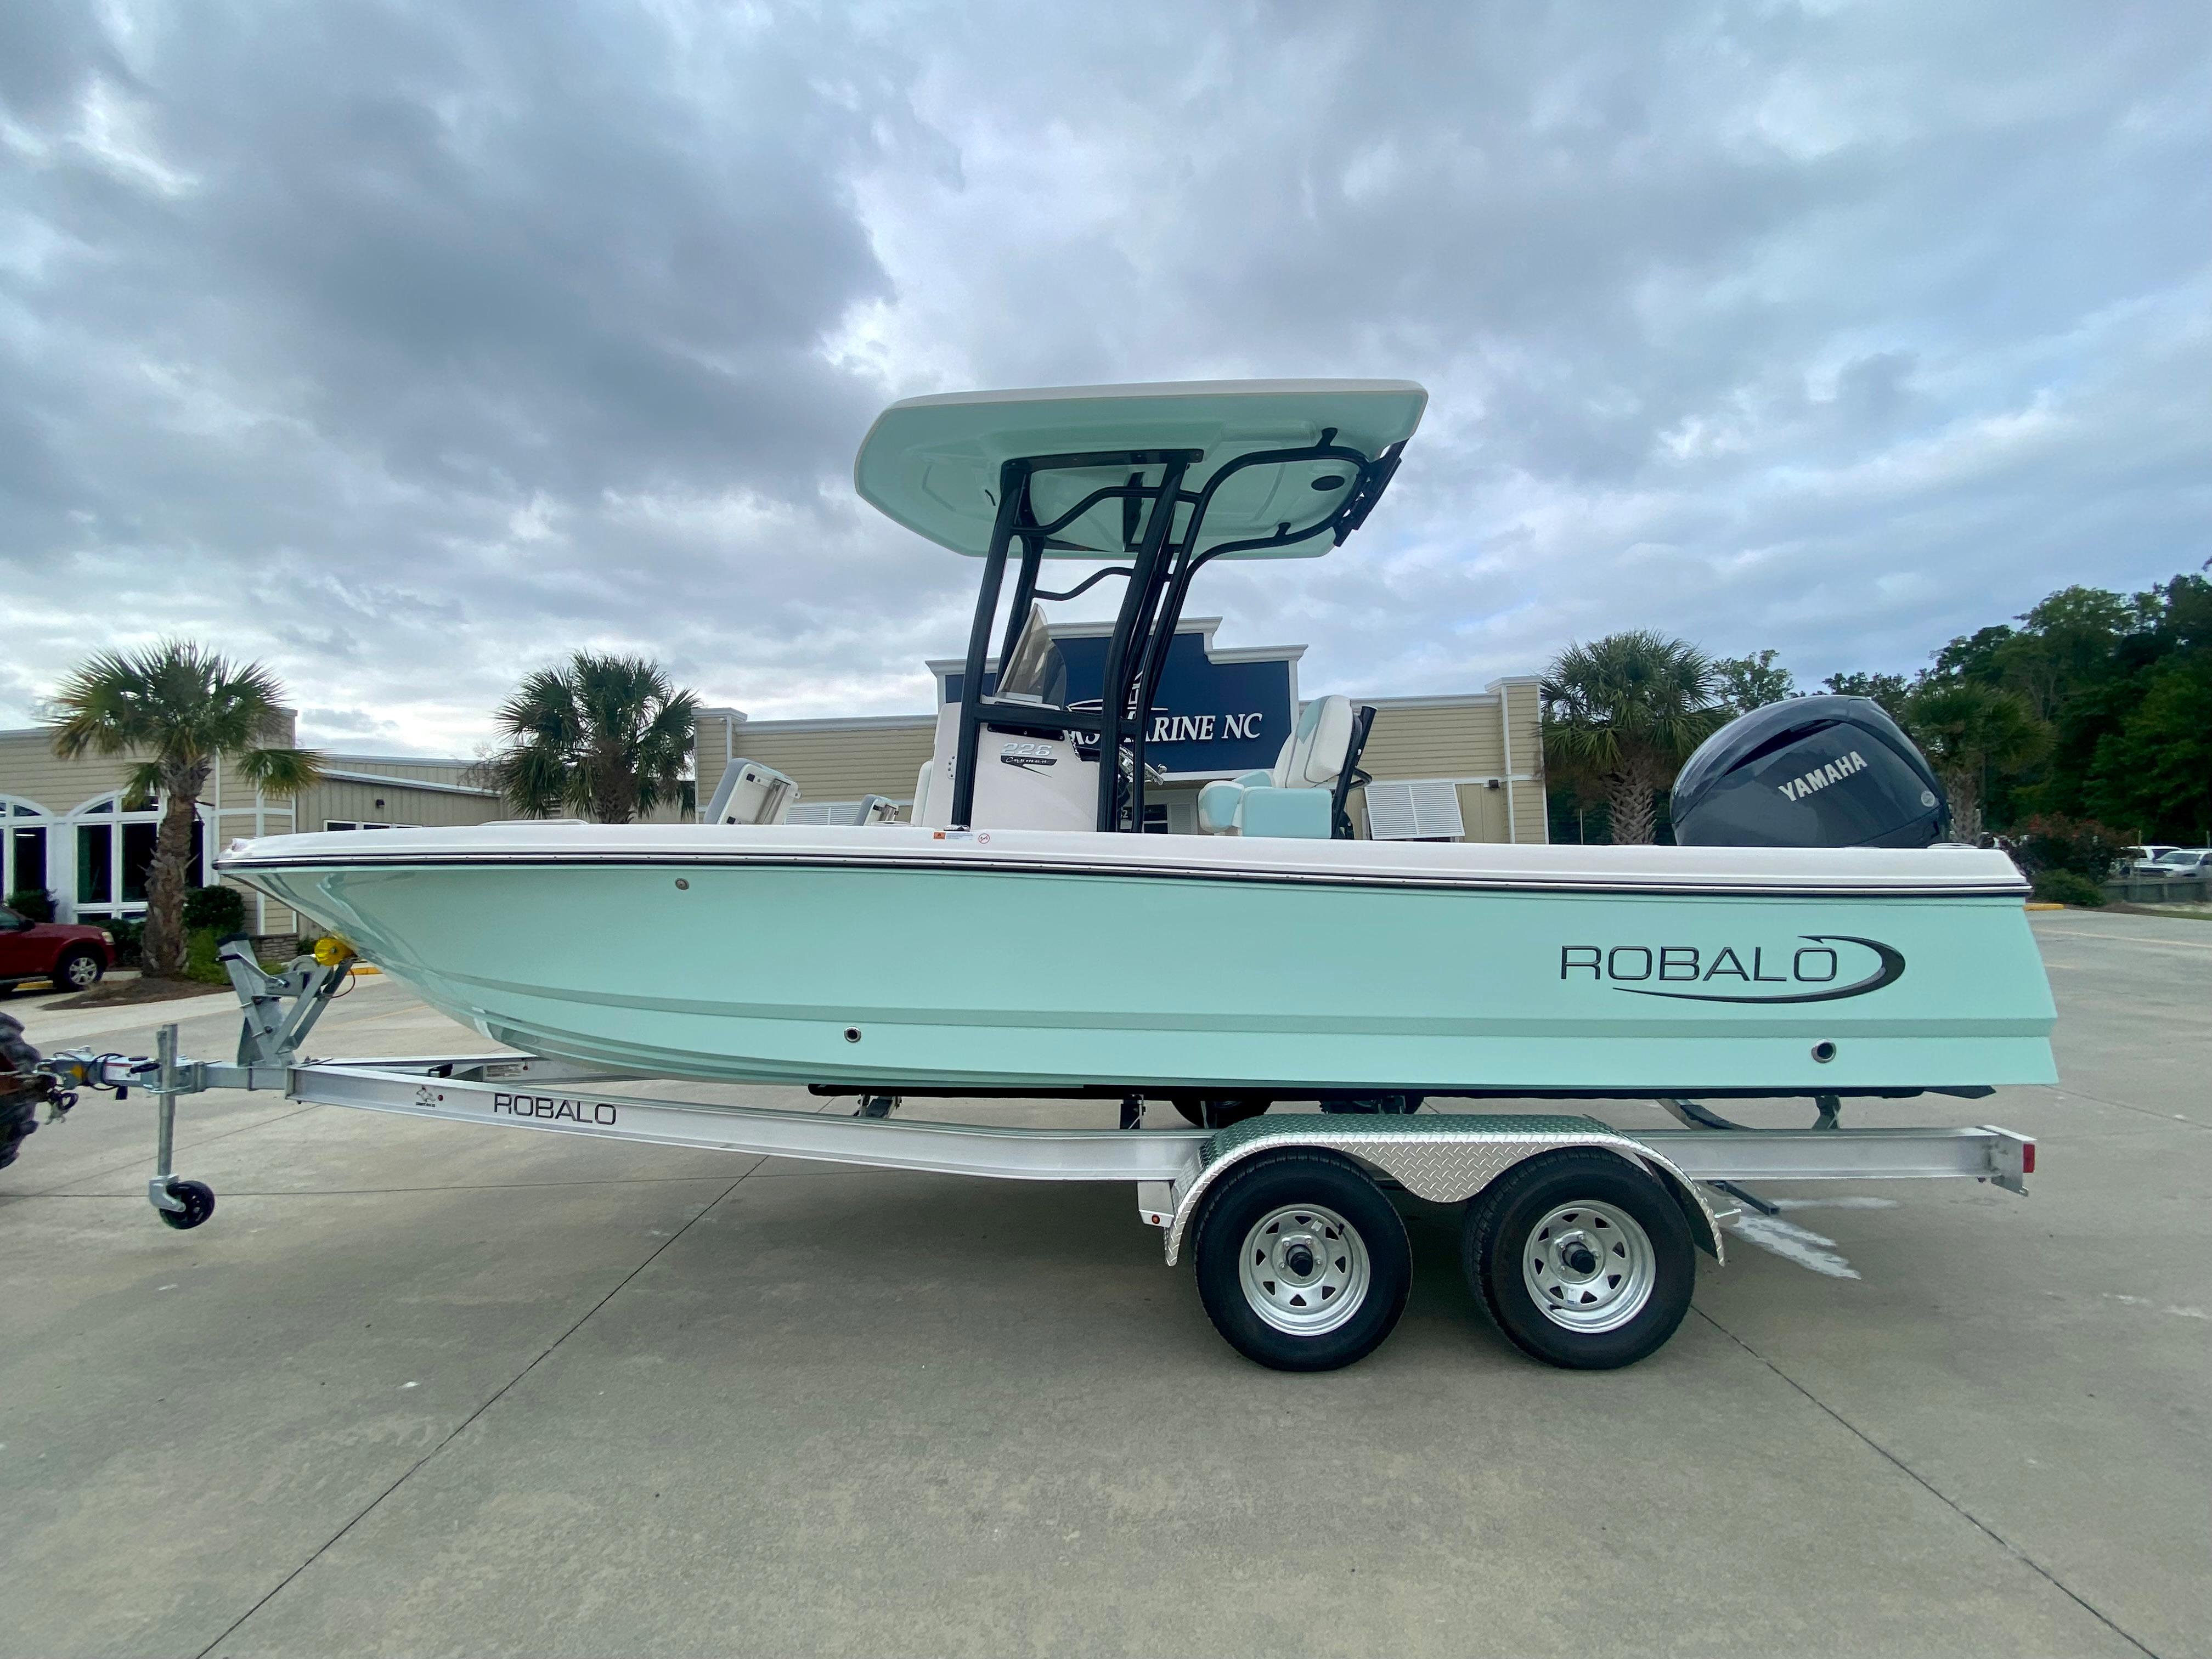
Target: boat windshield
<point>1035,671</point>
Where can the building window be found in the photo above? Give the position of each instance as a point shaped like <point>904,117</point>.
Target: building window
<point>138,862</point>
<point>347,824</point>
<point>95,864</point>
<point>114,848</point>
<point>23,826</point>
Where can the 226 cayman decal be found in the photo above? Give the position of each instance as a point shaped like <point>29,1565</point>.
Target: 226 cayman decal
<point>1811,971</point>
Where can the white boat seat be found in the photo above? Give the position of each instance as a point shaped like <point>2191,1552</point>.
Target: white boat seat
<point>750,793</point>
<point>1313,757</point>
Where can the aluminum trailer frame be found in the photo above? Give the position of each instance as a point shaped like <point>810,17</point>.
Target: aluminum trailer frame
<point>511,1090</point>
<point>1441,1156</point>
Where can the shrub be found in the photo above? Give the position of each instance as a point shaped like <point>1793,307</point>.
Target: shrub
<point>32,904</point>
<point>2067,887</point>
<point>2081,846</point>
<point>222,910</point>
<point>127,935</point>
<point>201,963</point>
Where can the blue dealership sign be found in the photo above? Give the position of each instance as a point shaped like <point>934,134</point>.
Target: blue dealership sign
<point>1209,717</point>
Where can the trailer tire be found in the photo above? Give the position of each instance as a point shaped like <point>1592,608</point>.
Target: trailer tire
<point>1302,1262</point>
<point>1580,1259</point>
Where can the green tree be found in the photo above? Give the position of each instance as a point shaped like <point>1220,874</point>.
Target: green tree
<point>1890,690</point>
<point>1969,731</point>
<point>2154,773</point>
<point>181,709</point>
<point>1624,713</point>
<point>606,737</point>
<point>2065,643</point>
<point>1752,682</point>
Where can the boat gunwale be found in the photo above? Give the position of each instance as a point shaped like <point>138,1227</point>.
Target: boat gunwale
<point>244,868</point>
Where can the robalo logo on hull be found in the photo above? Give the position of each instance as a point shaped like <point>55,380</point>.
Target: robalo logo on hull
<point>1813,970</point>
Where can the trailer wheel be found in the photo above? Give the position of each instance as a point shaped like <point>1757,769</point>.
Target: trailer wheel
<point>1580,1258</point>
<point>199,1199</point>
<point>1302,1264</point>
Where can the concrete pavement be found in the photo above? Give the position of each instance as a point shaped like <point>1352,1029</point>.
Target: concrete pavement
<point>419,1387</point>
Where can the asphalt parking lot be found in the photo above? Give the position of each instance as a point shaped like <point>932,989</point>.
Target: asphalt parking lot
<point>428,1388</point>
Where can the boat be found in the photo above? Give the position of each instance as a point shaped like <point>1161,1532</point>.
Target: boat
<point>1018,939</point>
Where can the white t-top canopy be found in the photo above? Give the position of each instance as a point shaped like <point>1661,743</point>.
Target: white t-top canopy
<point>931,464</point>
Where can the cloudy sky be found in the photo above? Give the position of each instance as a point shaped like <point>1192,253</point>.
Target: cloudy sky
<point>408,346</point>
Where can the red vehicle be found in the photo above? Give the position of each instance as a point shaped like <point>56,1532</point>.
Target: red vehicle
<point>73,958</point>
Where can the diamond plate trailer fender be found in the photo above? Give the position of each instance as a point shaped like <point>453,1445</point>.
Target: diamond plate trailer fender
<point>1445,1158</point>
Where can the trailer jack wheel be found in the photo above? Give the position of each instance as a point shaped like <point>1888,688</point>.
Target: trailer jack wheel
<point>1580,1258</point>
<point>1303,1263</point>
<point>199,1199</point>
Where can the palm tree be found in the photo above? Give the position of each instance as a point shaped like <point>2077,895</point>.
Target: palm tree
<point>606,737</point>
<point>1623,713</point>
<point>1967,729</point>
<point>182,708</point>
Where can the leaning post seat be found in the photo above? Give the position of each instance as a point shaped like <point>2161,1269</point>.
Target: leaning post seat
<point>750,793</point>
<point>1298,797</point>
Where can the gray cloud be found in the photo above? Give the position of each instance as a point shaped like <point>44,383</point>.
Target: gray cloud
<point>406,346</point>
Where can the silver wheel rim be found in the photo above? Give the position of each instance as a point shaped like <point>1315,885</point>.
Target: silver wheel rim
<point>82,971</point>
<point>1305,1269</point>
<point>1589,1267</point>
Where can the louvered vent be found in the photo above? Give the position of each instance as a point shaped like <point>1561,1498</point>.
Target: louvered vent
<point>1426,809</point>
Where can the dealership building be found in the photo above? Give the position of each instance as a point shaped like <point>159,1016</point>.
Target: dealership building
<point>70,829</point>
<point>1459,767</point>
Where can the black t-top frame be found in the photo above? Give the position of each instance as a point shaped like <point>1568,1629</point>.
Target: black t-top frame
<point>1158,577</point>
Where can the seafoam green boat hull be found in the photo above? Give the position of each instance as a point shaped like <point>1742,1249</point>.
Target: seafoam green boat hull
<point>950,977</point>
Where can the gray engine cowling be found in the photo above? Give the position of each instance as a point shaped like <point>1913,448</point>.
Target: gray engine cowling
<point>1824,771</point>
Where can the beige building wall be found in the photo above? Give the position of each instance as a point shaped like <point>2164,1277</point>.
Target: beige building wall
<point>346,803</point>
<point>829,760</point>
<point>1435,737</point>
<point>1488,744</point>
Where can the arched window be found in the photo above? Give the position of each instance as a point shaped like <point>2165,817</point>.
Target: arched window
<point>112,853</point>
<point>24,864</point>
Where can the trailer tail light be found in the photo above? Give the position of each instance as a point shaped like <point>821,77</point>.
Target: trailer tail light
<point>2027,1158</point>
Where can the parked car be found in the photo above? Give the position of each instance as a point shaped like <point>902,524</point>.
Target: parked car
<point>2181,861</point>
<point>2138,858</point>
<point>73,957</point>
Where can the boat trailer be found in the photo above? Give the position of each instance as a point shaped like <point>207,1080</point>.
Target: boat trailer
<point>1579,1238</point>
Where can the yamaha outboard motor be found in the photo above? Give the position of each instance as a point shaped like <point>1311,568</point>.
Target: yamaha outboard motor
<point>1822,771</point>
